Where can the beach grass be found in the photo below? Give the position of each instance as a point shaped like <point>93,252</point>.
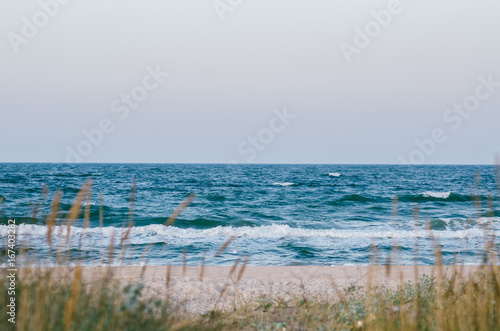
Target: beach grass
<point>63,299</point>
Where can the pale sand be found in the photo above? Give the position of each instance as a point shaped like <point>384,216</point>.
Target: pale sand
<point>216,290</point>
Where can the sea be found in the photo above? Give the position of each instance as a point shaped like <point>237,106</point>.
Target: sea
<point>267,215</point>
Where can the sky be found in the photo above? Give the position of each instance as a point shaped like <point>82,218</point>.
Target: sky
<point>283,81</point>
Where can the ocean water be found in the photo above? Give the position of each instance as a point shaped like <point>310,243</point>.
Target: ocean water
<point>280,214</point>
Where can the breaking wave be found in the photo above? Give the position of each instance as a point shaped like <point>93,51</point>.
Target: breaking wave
<point>266,231</point>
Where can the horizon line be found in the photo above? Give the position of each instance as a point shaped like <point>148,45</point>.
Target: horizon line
<point>242,163</point>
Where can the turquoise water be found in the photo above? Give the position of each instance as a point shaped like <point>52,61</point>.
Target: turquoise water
<point>281,214</point>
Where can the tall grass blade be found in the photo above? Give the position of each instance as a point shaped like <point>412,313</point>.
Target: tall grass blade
<point>179,209</point>
<point>224,246</point>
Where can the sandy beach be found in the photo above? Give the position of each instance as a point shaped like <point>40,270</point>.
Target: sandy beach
<point>200,290</point>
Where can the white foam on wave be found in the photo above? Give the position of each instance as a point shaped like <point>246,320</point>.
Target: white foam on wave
<point>438,195</point>
<point>334,174</point>
<point>158,232</point>
<point>284,184</point>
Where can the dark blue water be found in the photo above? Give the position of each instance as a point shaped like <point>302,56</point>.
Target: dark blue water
<point>281,214</point>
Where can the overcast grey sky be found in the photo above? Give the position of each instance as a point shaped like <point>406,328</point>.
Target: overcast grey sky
<point>234,65</point>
